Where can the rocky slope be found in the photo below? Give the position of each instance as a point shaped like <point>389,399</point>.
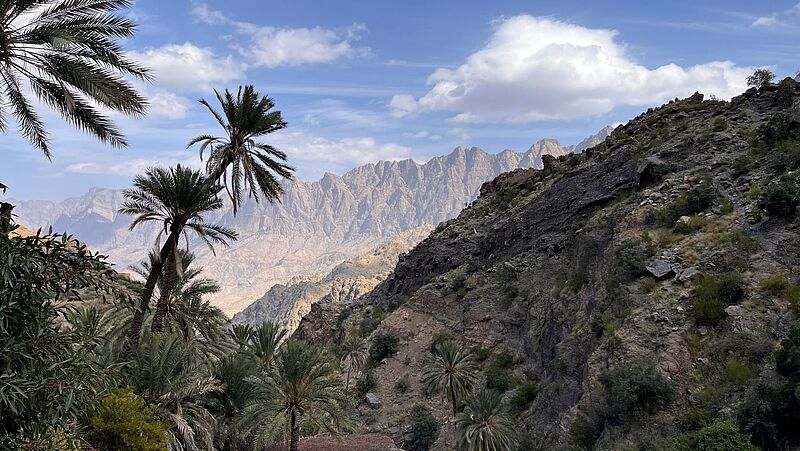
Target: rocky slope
<point>314,227</point>
<point>286,304</point>
<point>632,297</point>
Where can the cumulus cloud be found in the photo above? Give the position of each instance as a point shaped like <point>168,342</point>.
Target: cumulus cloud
<point>188,67</point>
<point>538,68</point>
<point>283,46</point>
<point>344,152</point>
<point>167,105</point>
<point>766,21</point>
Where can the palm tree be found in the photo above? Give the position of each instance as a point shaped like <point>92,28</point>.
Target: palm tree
<point>68,53</point>
<point>241,334</point>
<point>452,372</point>
<point>169,372</point>
<point>233,371</point>
<point>177,198</point>
<point>300,389</point>
<point>265,341</point>
<point>485,424</point>
<point>354,355</point>
<point>236,158</point>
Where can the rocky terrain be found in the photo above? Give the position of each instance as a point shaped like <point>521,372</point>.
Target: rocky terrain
<point>313,228</point>
<point>286,304</point>
<point>636,296</point>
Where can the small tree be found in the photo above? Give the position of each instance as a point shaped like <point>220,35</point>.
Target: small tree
<point>354,356</point>
<point>383,345</point>
<point>452,372</point>
<point>760,78</point>
<point>486,424</point>
<point>125,422</point>
<point>424,429</point>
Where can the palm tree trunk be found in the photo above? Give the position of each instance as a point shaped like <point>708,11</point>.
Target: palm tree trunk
<point>167,285</point>
<point>347,384</point>
<point>147,293</point>
<point>453,397</point>
<point>294,440</point>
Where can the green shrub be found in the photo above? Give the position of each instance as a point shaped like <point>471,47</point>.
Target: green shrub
<point>743,163</point>
<point>780,198</point>
<point>693,224</point>
<point>730,287</point>
<point>125,422</point>
<point>648,285</point>
<point>721,436</point>
<point>424,429</point>
<point>525,394</point>
<point>706,303</point>
<point>720,124</point>
<point>499,374</point>
<point>634,387</point>
<point>584,431</point>
<point>366,383</point>
<point>371,322</point>
<point>632,256</point>
<point>775,284</point>
<point>787,357</point>
<point>403,384</point>
<point>480,353</point>
<point>689,203</point>
<point>383,345</point>
<point>737,371</point>
<point>769,415</point>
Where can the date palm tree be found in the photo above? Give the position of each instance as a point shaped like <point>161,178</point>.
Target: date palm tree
<point>354,355</point>
<point>237,159</point>
<point>300,390</point>
<point>485,424</point>
<point>453,372</point>
<point>177,198</point>
<point>265,341</point>
<point>69,54</point>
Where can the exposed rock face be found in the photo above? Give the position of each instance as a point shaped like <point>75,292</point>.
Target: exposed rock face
<point>534,268</point>
<point>286,304</point>
<point>314,227</point>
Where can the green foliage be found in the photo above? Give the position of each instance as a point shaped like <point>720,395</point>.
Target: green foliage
<point>452,372</point>
<point>499,374</point>
<point>634,387</point>
<point>710,296</point>
<point>780,198</point>
<point>370,322</point>
<point>49,374</point>
<point>384,345</point>
<point>648,285</point>
<point>760,78</point>
<point>632,256</point>
<point>743,164</point>
<point>693,201</point>
<point>584,432</point>
<point>720,124</point>
<point>424,429</point>
<point>721,436</point>
<point>124,422</point>
<point>366,383</point>
<point>403,384</point>
<point>775,284</point>
<point>438,338</point>
<point>525,394</point>
<point>485,424</point>
<point>730,287</point>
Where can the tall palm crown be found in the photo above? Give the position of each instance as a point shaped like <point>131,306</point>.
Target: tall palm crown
<point>67,50</point>
<point>485,424</point>
<point>301,388</point>
<point>177,198</point>
<point>453,372</point>
<point>265,341</point>
<point>354,355</point>
<point>237,159</point>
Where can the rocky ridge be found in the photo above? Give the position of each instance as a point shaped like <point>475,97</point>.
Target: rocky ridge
<point>583,270</point>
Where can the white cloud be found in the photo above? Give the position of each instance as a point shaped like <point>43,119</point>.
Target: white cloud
<point>343,152</point>
<point>283,46</point>
<point>539,68</point>
<point>167,105</point>
<point>190,68</point>
<point>131,167</point>
<point>418,135</point>
<point>766,21</point>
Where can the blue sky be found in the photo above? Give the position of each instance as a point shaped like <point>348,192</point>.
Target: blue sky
<point>360,81</point>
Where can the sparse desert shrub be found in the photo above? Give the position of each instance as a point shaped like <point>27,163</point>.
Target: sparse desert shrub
<point>525,394</point>
<point>730,287</point>
<point>760,78</point>
<point>125,422</point>
<point>371,322</point>
<point>480,353</point>
<point>403,384</point>
<point>775,284</point>
<point>648,285</point>
<point>632,255</point>
<point>499,374</point>
<point>366,382</point>
<point>769,415</point>
<point>720,124</point>
<point>584,431</point>
<point>707,306</point>
<point>737,371</point>
<point>787,357</point>
<point>383,345</point>
<point>424,429</point>
<point>691,225</point>
<point>633,387</point>
<point>780,198</point>
<point>721,436</point>
<point>743,164</point>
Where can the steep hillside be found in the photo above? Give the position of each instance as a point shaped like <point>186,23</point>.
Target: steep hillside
<point>315,226</point>
<point>624,298</point>
<point>286,304</point>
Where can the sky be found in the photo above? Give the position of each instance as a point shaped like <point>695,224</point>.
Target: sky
<point>363,81</point>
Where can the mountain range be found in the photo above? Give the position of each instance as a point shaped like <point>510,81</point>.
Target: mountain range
<point>314,227</point>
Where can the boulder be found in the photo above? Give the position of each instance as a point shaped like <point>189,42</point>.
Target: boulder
<point>660,270</point>
<point>690,274</point>
<point>373,401</point>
